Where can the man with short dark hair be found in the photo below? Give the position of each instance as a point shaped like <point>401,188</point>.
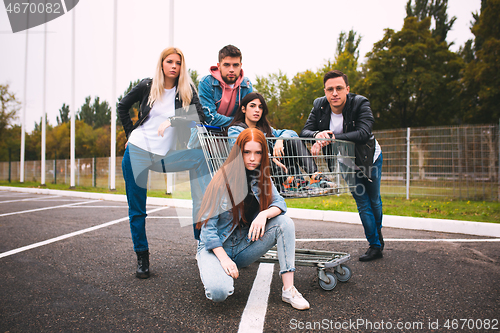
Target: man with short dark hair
<point>346,116</point>
<point>221,92</point>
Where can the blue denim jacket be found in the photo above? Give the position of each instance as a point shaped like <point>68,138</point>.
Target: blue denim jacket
<point>235,130</point>
<point>210,93</point>
<point>218,228</point>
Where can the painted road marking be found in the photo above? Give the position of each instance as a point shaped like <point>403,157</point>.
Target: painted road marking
<point>254,314</point>
<point>170,217</point>
<point>76,233</point>
<point>430,240</point>
<point>31,199</point>
<point>47,208</point>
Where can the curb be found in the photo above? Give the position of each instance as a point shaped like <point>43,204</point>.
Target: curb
<point>392,221</point>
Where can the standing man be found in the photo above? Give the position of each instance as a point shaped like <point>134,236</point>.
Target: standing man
<point>221,91</point>
<point>345,116</point>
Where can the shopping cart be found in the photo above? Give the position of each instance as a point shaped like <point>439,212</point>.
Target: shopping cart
<point>321,260</point>
<point>298,174</point>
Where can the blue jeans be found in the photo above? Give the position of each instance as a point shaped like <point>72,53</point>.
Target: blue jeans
<point>280,231</point>
<point>369,202</point>
<point>136,164</point>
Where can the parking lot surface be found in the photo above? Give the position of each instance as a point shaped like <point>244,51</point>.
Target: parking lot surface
<point>67,265</point>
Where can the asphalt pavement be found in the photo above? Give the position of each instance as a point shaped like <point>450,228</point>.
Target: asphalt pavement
<point>68,265</point>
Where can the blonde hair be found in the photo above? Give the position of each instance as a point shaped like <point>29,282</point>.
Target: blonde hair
<point>184,82</point>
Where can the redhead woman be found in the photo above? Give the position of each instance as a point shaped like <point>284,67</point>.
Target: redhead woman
<point>243,216</point>
<point>169,106</point>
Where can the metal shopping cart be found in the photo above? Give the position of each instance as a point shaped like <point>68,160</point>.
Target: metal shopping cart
<point>297,174</point>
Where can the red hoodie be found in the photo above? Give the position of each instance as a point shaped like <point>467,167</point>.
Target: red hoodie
<point>228,99</point>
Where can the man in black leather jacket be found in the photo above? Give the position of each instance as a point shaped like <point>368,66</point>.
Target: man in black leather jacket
<point>345,116</point>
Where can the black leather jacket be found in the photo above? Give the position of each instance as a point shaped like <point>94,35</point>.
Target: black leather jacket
<point>357,127</point>
<point>182,118</point>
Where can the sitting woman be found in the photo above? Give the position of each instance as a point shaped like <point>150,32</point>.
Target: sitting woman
<point>289,155</point>
<point>243,217</point>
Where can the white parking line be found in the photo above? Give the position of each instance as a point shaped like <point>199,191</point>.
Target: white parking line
<point>124,206</point>
<point>170,217</point>
<point>252,320</point>
<point>76,233</point>
<point>47,208</point>
<point>30,199</point>
<point>431,240</point>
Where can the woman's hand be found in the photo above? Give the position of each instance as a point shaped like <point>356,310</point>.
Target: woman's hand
<point>281,165</point>
<point>278,150</point>
<point>126,144</point>
<point>230,268</point>
<point>258,227</point>
<point>163,126</point>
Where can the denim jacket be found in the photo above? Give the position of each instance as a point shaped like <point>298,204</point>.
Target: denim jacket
<point>210,93</point>
<point>237,128</point>
<point>218,228</point>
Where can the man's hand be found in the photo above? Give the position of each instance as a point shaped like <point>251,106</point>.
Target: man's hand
<point>316,148</point>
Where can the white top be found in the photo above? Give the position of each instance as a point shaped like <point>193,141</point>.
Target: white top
<point>336,126</point>
<point>146,135</point>
<point>336,123</point>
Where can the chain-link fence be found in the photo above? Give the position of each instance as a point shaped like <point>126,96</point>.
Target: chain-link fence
<point>454,162</point>
<point>459,162</point>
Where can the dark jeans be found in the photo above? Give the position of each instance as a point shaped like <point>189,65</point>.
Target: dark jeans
<point>136,164</point>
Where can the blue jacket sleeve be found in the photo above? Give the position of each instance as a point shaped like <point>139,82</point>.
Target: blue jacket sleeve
<point>233,133</point>
<point>284,133</point>
<point>278,201</point>
<point>209,233</point>
<point>207,98</point>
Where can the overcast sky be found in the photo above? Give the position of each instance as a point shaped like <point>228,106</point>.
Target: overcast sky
<point>289,35</point>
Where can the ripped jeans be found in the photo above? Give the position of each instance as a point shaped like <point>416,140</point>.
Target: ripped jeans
<point>280,231</point>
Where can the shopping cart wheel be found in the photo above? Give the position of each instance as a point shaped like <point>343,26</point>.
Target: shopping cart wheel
<point>345,276</point>
<point>327,285</point>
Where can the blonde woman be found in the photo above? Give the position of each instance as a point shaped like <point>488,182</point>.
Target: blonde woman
<point>169,106</point>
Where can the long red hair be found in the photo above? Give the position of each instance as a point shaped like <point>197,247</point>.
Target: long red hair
<point>230,182</point>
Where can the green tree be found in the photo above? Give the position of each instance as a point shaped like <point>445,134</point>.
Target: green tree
<point>481,80</point>
<point>412,79</point>
<point>63,114</point>
<point>194,76</point>
<point>97,114</point>
<point>58,141</point>
<point>290,102</point>
<point>437,11</point>
<point>9,107</point>
<point>275,89</point>
<point>346,57</point>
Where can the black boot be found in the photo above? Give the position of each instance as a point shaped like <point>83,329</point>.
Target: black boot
<point>142,264</point>
<point>381,239</point>
<point>371,254</point>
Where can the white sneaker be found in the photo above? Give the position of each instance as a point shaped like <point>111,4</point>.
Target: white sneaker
<point>295,298</point>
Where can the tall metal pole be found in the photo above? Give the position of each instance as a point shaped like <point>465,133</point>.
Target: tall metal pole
<point>170,176</point>
<point>44,107</point>
<point>112,170</point>
<point>23,120</point>
<point>171,22</point>
<point>408,163</point>
<point>73,104</point>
